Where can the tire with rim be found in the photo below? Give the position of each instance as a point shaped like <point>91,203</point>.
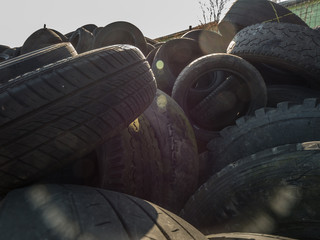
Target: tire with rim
<point>282,45</point>
<point>244,13</point>
<point>73,212</point>
<point>56,114</point>
<point>270,127</point>
<point>233,65</point>
<point>155,158</point>
<point>274,191</point>
<point>30,61</point>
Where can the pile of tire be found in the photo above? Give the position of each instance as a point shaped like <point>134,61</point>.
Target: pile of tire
<point>106,133</point>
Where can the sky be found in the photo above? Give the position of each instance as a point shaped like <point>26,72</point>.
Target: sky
<point>155,18</point>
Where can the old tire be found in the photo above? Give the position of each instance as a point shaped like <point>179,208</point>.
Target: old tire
<point>82,40</point>
<point>155,158</point>
<point>73,212</point>
<point>32,60</point>
<point>276,44</point>
<point>54,115</point>
<point>219,62</point>
<point>245,236</point>
<point>270,127</point>
<point>244,13</point>
<point>120,32</point>
<point>278,186</point>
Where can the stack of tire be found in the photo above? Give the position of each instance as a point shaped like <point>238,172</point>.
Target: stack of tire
<point>106,133</point>
<point>260,172</point>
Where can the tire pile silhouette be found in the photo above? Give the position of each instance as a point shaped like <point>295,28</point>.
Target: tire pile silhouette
<point>108,134</point>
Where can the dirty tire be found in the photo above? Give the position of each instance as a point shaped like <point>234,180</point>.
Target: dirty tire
<point>73,212</point>
<point>244,13</point>
<point>278,186</point>
<point>30,61</point>
<point>171,58</point>
<point>290,93</point>
<point>120,32</point>
<point>218,62</point>
<point>155,158</point>
<point>57,114</point>
<point>270,127</point>
<point>276,44</point>
<point>245,236</point>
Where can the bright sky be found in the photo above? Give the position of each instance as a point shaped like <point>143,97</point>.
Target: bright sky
<point>20,18</point>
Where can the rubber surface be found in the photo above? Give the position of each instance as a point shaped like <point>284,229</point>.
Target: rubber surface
<point>57,212</point>
<point>155,158</point>
<point>62,111</point>
<point>275,191</point>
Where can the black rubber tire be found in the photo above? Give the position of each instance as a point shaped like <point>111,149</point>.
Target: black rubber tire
<point>282,45</point>
<point>245,236</point>
<point>61,112</point>
<point>4,57</point>
<point>41,38</point>
<point>3,48</point>
<point>90,27</point>
<point>120,32</point>
<point>290,93</point>
<point>151,55</point>
<point>57,212</point>
<point>155,158</point>
<point>13,52</point>
<point>82,40</point>
<point>209,41</point>
<point>244,13</point>
<point>268,192</point>
<point>270,127</point>
<point>30,61</point>
<point>218,62</point>
<point>171,58</point>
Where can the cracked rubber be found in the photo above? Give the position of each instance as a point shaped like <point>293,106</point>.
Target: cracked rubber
<point>155,158</point>
<point>286,46</point>
<point>274,191</point>
<point>73,212</point>
<point>56,114</point>
<point>270,127</point>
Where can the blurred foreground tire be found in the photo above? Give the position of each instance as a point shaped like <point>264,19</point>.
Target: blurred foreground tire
<point>72,212</point>
<point>62,111</point>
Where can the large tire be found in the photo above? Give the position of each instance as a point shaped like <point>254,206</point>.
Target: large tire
<point>54,115</point>
<point>72,212</point>
<point>171,58</point>
<point>244,13</point>
<point>120,32</point>
<point>234,65</point>
<point>155,158</point>
<point>282,45</point>
<point>275,191</point>
<point>270,127</point>
<point>32,60</point>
